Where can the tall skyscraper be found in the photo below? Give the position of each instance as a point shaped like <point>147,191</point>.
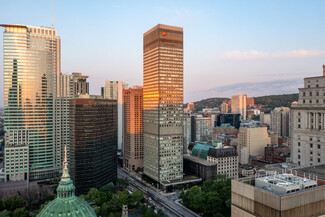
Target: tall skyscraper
<point>280,121</point>
<point>93,127</point>
<point>133,128</point>
<point>163,102</point>
<point>114,90</point>
<point>68,87</point>
<point>308,123</point>
<point>31,65</point>
<point>238,105</point>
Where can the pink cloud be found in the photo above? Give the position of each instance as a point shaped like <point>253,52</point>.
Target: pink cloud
<point>256,55</point>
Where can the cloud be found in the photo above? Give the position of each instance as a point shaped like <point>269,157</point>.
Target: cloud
<point>250,88</point>
<point>259,55</point>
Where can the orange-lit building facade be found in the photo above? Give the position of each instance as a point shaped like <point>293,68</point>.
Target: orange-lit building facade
<point>133,128</point>
<point>163,102</point>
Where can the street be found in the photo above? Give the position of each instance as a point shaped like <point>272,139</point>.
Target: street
<point>165,202</point>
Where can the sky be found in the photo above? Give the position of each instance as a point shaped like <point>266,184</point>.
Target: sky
<point>230,47</point>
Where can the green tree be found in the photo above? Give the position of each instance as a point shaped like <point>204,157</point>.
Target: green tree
<point>5,213</point>
<point>124,198</point>
<point>114,203</point>
<point>13,203</point>
<point>150,213</point>
<point>93,194</point>
<point>20,212</point>
<point>137,197</point>
<point>121,184</point>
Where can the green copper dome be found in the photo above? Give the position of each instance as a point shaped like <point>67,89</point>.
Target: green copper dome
<point>67,204</point>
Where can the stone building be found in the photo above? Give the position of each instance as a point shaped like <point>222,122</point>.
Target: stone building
<point>308,123</point>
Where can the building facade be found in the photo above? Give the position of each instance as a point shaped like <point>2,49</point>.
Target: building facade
<point>133,128</point>
<point>68,87</point>
<point>280,121</point>
<point>16,155</point>
<point>114,90</point>
<point>93,128</point>
<point>238,105</point>
<point>252,142</point>
<point>277,195</point>
<point>31,65</point>
<point>187,130</point>
<point>232,119</point>
<point>224,108</point>
<point>203,128</point>
<point>163,102</point>
<point>308,123</point>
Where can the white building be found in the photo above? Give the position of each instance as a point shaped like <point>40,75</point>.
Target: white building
<point>114,90</point>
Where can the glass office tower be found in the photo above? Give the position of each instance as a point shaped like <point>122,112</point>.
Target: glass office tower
<point>163,103</point>
<point>31,65</point>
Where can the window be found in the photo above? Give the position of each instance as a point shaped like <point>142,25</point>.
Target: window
<point>311,145</point>
<point>318,146</point>
<point>311,94</point>
<point>298,143</point>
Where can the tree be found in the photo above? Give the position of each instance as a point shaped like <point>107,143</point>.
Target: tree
<point>121,184</point>
<point>150,213</point>
<point>5,213</point>
<point>114,203</point>
<point>13,203</point>
<point>93,194</point>
<point>137,197</point>
<point>20,212</point>
<point>124,198</point>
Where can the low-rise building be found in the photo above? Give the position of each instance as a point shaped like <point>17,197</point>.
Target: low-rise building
<point>276,195</point>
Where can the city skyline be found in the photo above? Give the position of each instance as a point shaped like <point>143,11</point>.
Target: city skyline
<point>246,44</point>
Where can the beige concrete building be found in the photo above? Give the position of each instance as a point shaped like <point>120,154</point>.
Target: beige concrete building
<point>133,128</point>
<point>224,108</point>
<point>308,123</point>
<point>280,121</point>
<point>238,105</point>
<point>251,141</point>
<point>163,103</point>
<point>278,197</point>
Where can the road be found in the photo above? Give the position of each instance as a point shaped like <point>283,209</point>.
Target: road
<point>165,202</point>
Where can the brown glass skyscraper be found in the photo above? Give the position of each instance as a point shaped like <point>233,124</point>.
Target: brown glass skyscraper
<point>163,102</point>
<point>133,128</point>
<point>93,130</point>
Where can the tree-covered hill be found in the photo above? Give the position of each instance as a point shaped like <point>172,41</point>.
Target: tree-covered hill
<point>271,101</point>
<point>277,100</point>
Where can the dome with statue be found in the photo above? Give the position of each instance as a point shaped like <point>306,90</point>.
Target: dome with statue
<point>67,204</point>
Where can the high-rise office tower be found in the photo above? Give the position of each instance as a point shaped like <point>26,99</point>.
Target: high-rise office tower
<point>308,123</point>
<point>68,87</point>
<point>93,127</point>
<point>114,90</point>
<point>31,65</point>
<point>238,105</point>
<point>280,121</point>
<point>163,102</point>
<point>133,128</point>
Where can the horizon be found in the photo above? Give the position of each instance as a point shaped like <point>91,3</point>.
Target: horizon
<point>258,48</point>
